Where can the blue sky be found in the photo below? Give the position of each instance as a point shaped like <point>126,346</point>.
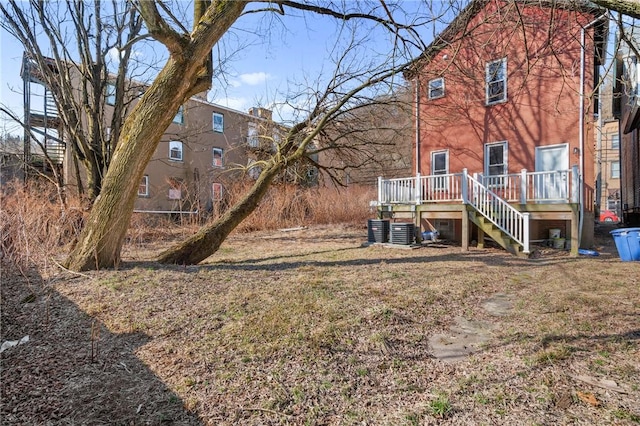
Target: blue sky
<point>278,54</point>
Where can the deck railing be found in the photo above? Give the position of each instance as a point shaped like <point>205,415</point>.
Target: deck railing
<point>558,186</point>
<point>497,210</point>
<point>491,196</point>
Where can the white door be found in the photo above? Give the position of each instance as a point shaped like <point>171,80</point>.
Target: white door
<point>553,185</point>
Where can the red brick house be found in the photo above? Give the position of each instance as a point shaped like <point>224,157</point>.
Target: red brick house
<point>504,136</point>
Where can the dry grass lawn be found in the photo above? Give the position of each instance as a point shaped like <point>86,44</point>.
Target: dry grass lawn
<point>311,327</point>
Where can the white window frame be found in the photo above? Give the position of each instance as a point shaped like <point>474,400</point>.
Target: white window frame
<point>487,158</point>
<point>220,156</point>
<point>179,118</point>
<point>440,183</point>
<point>217,128</point>
<point>490,81</point>
<point>615,140</point>
<point>175,189</point>
<point>217,194</point>
<point>144,183</point>
<point>176,147</point>
<point>110,94</point>
<point>615,169</point>
<point>433,88</point>
<point>252,135</point>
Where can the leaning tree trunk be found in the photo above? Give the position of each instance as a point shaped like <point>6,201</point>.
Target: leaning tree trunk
<point>183,75</point>
<point>208,239</point>
<point>102,237</point>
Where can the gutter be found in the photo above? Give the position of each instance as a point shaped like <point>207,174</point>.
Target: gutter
<point>581,122</point>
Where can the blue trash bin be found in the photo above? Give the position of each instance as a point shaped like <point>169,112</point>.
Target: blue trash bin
<point>628,243</point>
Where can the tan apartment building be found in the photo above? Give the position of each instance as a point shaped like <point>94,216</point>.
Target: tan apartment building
<point>607,164</point>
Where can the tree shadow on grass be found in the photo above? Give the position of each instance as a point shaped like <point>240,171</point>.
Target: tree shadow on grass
<point>73,370</point>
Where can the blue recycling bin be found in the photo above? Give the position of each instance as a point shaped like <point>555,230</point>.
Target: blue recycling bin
<point>628,243</point>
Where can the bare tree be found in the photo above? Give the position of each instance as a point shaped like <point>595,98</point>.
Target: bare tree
<point>81,53</point>
<point>186,73</point>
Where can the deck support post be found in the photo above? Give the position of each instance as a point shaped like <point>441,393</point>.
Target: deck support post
<point>465,228</point>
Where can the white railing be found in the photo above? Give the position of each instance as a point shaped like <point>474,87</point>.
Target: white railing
<point>497,210</point>
<point>558,186</point>
<point>489,195</point>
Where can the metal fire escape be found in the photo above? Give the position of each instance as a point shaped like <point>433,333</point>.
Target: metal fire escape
<point>43,148</point>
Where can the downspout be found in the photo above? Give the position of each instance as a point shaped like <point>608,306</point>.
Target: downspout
<point>417,136</point>
<point>581,121</point>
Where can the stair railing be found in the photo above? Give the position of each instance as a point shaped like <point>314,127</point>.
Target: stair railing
<point>499,212</point>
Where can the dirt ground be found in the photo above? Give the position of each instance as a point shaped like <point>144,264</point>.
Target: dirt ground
<point>314,327</point>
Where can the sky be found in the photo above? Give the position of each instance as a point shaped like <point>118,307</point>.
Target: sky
<point>276,55</point>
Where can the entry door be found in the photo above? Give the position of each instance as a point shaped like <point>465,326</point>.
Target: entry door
<point>552,186</point>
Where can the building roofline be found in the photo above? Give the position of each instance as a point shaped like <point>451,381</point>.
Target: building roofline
<point>461,23</point>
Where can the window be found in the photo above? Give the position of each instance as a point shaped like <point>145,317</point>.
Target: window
<point>440,166</point>
<point>495,158</point>
<point>179,118</point>
<point>110,94</point>
<point>217,157</point>
<point>252,135</point>
<point>615,170</point>
<point>143,188</point>
<point>217,191</point>
<point>436,88</point>
<point>175,188</point>
<point>615,141</point>
<point>218,122</point>
<point>175,150</point>
<point>496,81</point>
<point>254,170</point>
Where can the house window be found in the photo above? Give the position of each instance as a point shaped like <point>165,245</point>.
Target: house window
<point>615,141</point>
<point>110,94</point>
<point>143,188</point>
<point>615,170</point>
<point>496,81</point>
<point>252,135</point>
<point>217,191</point>
<point>179,118</point>
<point>217,157</point>
<point>175,150</point>
<point>175,188</point>
<point>436,88</point>
<point>495,159</point>
<point>440,166</point>
<point>254,170</point>
<point>218,122</point>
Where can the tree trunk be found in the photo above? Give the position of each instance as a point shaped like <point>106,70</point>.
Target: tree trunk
<point>209,238</point>
<point>101,239</point>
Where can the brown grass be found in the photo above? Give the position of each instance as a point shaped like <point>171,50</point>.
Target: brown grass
<point>312,327</point>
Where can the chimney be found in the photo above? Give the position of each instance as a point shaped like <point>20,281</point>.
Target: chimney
<point>260,113</point>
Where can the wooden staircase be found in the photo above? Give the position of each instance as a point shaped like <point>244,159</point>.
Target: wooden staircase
<point>489,229</point>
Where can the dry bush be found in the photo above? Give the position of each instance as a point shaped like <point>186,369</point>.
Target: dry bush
<point>35,225</point>
<point>286,206</point>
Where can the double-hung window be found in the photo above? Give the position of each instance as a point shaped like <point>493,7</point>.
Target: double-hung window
<point>175,150</point>
<point>252,135</point>
<point>436,88</point>
<point>175,188</point>
<point>143,188</point>
<point>217,191</point>
<point>495,162</point>
<point>615,141</point>
<point>110,95</point>
<point>440,166</point>
<point>496,81</point>
<point>615,170</point>
<point>179,118</point>
<point>217,157</point>
<point>218,122</point>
